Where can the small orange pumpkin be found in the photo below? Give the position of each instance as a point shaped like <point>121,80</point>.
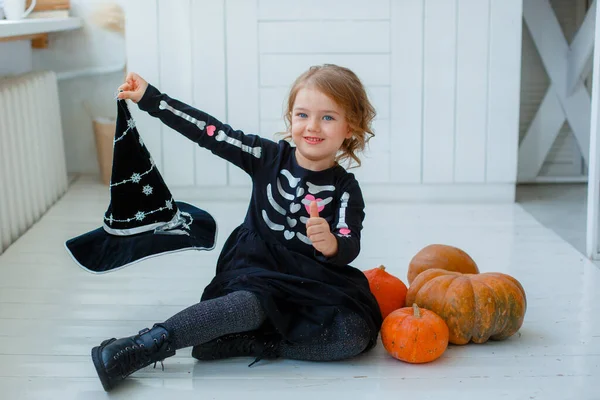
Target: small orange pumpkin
<point>414,335</point>
<point>389,291</point>
<point>476,307</point>
<point>441,256</point>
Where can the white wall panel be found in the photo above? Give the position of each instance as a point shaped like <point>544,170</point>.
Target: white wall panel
<point>443,76</point>
<point>504,81</point>
<point>242,73</point>
<point>324,37</point>
<point>374,169</point>
<point>209,83</point>
<point>273,102</point>
<point>320,9</point>
<point>281,70</point>
<point>175,61</point>
<point>380,143</point>
<point>471,90</point>
<point>439,86</point>
<point>406,107</point>
<point>142,57</point>
<point>380,98</point>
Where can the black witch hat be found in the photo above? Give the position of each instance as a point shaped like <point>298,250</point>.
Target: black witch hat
<point>142,220</point>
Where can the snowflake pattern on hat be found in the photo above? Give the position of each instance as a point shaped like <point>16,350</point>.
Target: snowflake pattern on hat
<point>140,199</point>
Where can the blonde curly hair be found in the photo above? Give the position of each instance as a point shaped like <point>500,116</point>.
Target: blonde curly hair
<point>345,88</point>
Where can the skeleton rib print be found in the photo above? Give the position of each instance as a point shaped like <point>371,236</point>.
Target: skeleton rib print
<point>296,201</point>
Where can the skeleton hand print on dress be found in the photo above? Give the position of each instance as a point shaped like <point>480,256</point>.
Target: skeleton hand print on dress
<point>278,211</point>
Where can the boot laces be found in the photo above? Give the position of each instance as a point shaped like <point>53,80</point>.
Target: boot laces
<point>131,358</point>
<point>269,350</point>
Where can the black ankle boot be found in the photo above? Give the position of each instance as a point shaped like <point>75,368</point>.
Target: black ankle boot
<point>115,359</point>
<point>245,344</point>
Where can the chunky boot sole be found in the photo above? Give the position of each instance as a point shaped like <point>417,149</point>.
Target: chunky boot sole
<point>100,369</point>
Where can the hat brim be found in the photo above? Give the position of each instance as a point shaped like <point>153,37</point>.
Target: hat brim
<point>99,252</point>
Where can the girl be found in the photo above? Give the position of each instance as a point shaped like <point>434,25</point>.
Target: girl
<point>283,286</point>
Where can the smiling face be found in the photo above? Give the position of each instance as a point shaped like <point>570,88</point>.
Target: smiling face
<point>318,128</point>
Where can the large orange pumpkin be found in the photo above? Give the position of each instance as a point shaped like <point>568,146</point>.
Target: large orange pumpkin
<point>476,307</point>
<point>414,335</point>
<point>441,256</point>
<point>389,291</point>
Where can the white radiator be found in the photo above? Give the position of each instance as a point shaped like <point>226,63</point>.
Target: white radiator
<point>32,160</point>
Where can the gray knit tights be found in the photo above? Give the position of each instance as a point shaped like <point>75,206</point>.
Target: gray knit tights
<point>241,311</point>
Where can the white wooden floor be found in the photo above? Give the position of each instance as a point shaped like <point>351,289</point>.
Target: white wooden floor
<point>52,313</point>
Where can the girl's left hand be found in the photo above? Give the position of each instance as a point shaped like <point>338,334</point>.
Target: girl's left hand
<point>133,88</point>
<point>317,230</point>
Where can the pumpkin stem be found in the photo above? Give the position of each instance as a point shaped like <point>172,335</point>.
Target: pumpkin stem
<point>416,310</point>
<point>381,267</point>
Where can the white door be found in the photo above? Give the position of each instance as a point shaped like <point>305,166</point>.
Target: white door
<point>593,215</point>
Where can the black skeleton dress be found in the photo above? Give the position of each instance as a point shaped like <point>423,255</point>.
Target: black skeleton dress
<point>269,254</point>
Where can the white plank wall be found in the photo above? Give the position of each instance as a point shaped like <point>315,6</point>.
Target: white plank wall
<point>142,47</point>
<point>175,34</point>
<point>407,81</point>
<point>242,73</point>
<point>442,74</point>
<point>472,54</point>
<point>439,90</point>
<point>504,79</point>
<point>289,46</point>
<point>209,77</point>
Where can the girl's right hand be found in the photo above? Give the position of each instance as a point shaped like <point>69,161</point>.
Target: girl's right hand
<point>133,88</point>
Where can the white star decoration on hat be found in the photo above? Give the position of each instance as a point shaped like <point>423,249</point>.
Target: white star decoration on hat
<point>140,215</point>
<point>147,190</point>
<point>130,125</point>
<point>136,177</point>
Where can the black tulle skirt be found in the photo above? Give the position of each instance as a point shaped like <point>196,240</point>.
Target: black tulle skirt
<point>299,294</point>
